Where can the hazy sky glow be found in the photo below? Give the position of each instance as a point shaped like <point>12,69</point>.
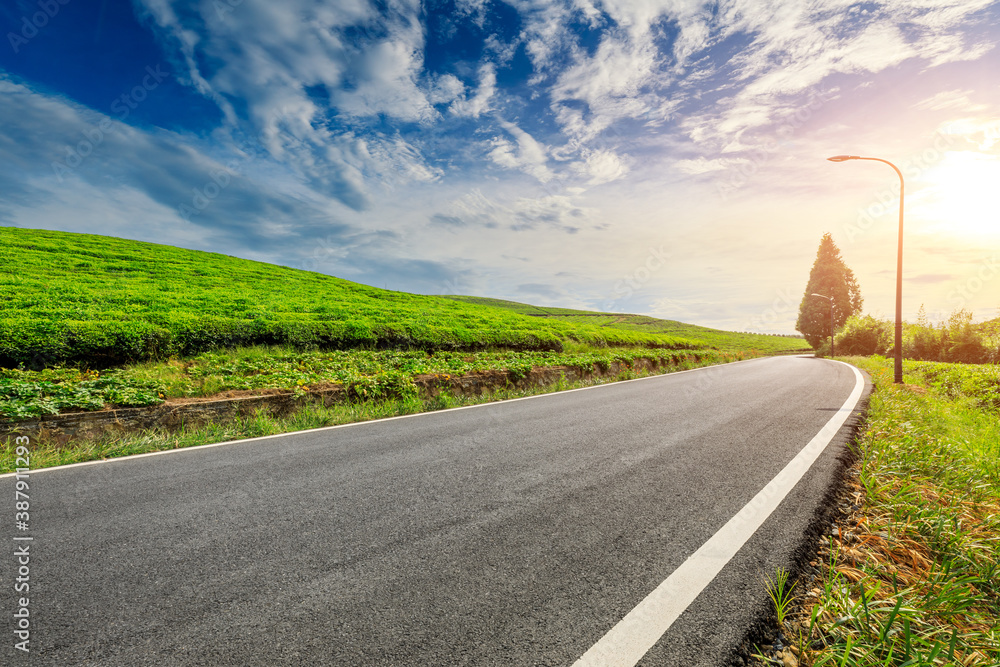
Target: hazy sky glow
<point>661,157</point>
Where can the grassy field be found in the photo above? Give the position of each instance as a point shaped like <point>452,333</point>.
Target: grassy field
<point>104,301</point>
<point>913,576</point>
<point>88,322</point>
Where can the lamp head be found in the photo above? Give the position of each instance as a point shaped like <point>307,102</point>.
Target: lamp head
<point>843,158</point>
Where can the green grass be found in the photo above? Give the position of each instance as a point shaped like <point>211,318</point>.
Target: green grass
<point>781,593</point>
<point>92,321</point>
<point>916,580</point>
<point>105,301</point>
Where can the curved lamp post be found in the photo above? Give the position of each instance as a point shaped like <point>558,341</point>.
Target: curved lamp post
<point>898,346</point>
<point>830,299</point>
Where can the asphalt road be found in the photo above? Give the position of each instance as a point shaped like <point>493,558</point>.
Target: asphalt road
<point>514,533</point>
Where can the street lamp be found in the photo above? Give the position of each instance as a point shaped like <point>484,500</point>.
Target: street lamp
<point>898,347</point>
<point>830,299</point>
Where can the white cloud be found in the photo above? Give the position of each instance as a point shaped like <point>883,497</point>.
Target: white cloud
<point>71,158</point>
<point>275,56</point>
<point>445,89</point>
<point>546,33</point>
<point>403,159</point>
<point>479,102</point>
<point>982,132</point>
<point>271,56</point>
<point>386,76</point>
<point>474,8</point>
<point>703,165</point>
<point>527,155</point>
<point>950,100</point>
<point>550,212</point>
<point>794,48</point>
<point>603,166</point>
<point>611,83</point>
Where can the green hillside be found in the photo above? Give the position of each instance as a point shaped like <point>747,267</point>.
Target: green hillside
<point>716,338</point>
<point>107,301</point>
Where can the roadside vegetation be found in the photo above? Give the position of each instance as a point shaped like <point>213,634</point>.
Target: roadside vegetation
<point>364,374</point>
<point>958,339</point>
<point>375,397</point>
<point>912,576</point>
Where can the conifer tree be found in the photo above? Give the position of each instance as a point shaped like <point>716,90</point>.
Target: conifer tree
<point>829,277</point>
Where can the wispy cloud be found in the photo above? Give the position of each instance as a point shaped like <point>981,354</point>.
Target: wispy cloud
<point>525,153</point>
<point>478,102</point>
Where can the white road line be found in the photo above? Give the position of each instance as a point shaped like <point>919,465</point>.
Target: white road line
<point>626,643</point>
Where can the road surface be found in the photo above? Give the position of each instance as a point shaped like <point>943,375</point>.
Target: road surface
<point>514,533</point>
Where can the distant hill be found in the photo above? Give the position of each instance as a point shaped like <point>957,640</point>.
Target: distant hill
<point>105,301</point>
<point>717,338</point>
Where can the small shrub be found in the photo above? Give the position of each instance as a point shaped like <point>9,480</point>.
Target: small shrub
<point>864,335</point>
<point>963,343</point>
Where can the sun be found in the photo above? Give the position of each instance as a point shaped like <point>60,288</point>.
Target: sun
<point>961,194</point>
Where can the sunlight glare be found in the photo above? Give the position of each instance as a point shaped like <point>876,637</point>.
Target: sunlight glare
<point>960,196</point>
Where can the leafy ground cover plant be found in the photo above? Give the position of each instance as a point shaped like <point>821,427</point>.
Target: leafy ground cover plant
<point>26,394</point>
<point>366,374</point>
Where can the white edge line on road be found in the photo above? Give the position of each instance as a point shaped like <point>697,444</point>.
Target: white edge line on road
<point>179,450</point>
<point>628,641</point>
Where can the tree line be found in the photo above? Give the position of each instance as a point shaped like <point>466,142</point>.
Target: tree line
<point>957,339</point>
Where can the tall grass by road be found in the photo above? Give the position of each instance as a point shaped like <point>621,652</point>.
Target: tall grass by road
<point>912,578</point>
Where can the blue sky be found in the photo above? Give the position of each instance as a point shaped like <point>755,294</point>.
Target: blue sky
<point>660,157</point>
